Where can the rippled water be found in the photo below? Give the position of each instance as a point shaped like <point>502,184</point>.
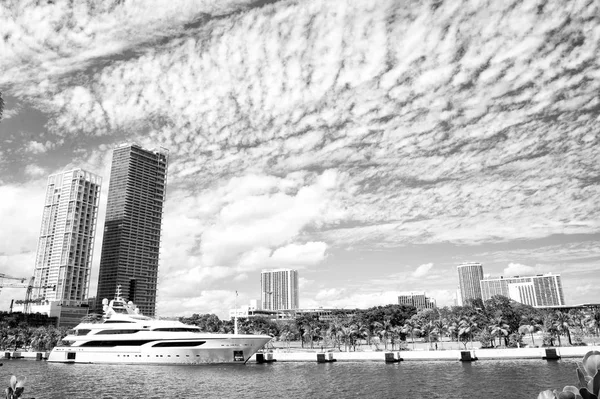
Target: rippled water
<point>481,379</point>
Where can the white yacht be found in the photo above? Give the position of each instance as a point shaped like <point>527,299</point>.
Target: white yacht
<point>126,336</point>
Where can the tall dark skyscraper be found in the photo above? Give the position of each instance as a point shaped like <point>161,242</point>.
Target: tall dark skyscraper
<point>130,247</point>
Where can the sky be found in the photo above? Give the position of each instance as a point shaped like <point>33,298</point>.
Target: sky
<point>372,146</point>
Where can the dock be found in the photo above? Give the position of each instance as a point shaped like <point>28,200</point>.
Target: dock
<point>469,355</point>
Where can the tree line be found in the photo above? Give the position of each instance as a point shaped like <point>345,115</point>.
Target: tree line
<point>497,322</point>
<point>35,332</point>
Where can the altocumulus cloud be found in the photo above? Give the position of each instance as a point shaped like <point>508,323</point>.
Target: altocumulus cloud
<point>453,121</point>
<point>297,127</point>
<point>55,38</point>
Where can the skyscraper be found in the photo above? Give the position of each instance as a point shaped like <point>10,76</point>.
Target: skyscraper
<point>66,243</point>
<point>469,276</point>
<point>279,289</point>
<point>540,290</point>
<point>130,246</point>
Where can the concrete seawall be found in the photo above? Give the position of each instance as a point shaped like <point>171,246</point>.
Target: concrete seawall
<point>24,355</point>
<point>392,356</point>
<point>442,355</point>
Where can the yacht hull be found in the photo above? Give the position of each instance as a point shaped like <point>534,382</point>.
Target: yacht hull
<point>212,351</point>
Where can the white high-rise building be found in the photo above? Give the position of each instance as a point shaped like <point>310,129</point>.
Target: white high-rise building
<point>64,252</point>
<point>279,289</point>
<point>540,290</point>
<point>469,276</point>
<point>458,298</point>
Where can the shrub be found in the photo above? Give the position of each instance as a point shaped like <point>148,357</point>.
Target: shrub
<point>578,339</point>
<point>485,338</point>
<point>515,340</point>
<point>547,340</point>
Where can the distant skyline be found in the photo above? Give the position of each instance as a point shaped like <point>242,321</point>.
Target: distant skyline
<point>372,146</point>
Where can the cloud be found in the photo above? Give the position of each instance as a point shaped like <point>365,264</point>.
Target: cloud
<point>22,207</point>
<point>249,221</point>
<point>341,298</point>
<point>310,253</point>
<point>567,257</point>
<point>294,255</point>
<point>21,213</point>
<point>517,269</point>
<point>443,122</point>
<point>330,294</point>
<point>443,297</point>
<point>206,301</point>
<point>304,283</point>
<point>36,147</point>
<point>566,250</point>
<point>422,270</point>
<point>59,37</point>
<point>299,128</point>
<point>186,282</point>
<point>8,113</point>
<point>35,171</point>
<point>234,229</point>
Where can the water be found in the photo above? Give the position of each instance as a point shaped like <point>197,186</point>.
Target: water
<point>481,379</point>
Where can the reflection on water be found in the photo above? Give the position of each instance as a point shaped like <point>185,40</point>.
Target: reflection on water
<point>481,379</point>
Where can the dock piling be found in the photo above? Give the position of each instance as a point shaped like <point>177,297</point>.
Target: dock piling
<point>551,354</point>
<point>466,356</point>
<point>326,357</point>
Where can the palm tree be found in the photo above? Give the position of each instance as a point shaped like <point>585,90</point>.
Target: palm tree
<point>20,337</point>
<point>345,333</point>
<point>453,327</point>
<point>226,328</point>
<point>286,337</point>
<point>578,320</point>
<point>383,330</point>
<point>427,329</point>
<point>311,328</point>
<point>551,329</point>
<point>467,326</point>
<point>529,324</point>
<point>562,322</point>
<point>244,325</point>
<point>593,321</point>
<point>358,331</point>
<point>38,338</point>
<point>395,335</point>
<point>440,327</point>
<point>333,332</point>
<point>499,328</point>
<point>411,327</point>
<point>4,332</point>
<point>377,329</point>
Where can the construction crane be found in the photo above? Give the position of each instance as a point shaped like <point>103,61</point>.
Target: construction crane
<point>20,282</point>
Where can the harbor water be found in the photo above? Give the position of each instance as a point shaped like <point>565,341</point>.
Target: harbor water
<point>482,379</point>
